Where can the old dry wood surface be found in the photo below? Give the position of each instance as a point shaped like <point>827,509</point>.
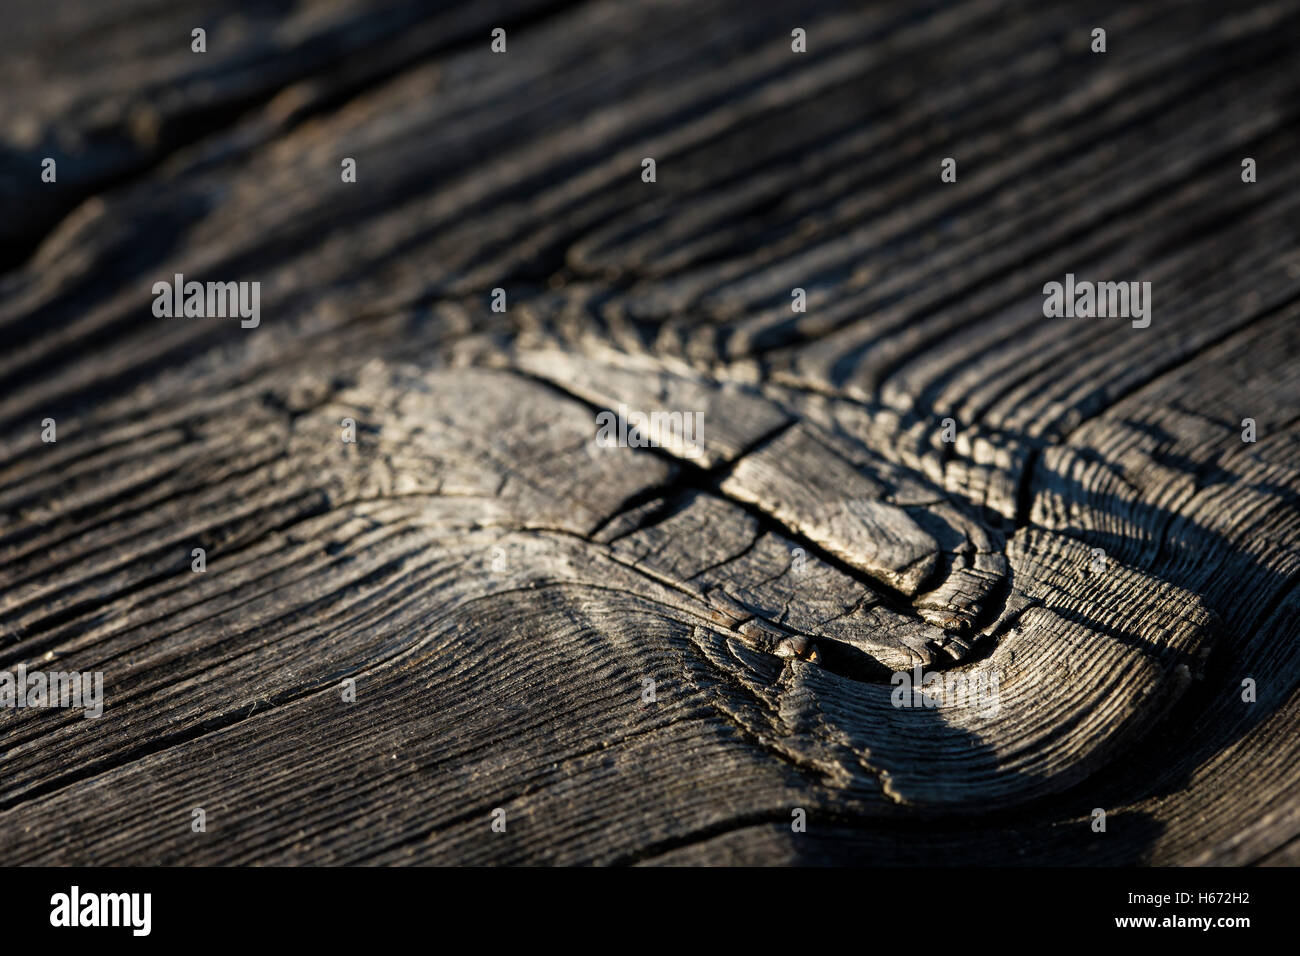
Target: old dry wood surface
<point>499,587</point>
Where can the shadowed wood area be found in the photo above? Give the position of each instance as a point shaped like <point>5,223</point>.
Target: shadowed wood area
<point>651,655</point>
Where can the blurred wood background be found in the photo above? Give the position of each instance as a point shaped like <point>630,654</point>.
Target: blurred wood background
<point>506,595</point>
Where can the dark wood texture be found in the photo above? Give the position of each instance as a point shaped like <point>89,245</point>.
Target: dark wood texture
<point>500,588</point>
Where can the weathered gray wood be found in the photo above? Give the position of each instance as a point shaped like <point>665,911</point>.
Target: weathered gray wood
<point>500,587</point>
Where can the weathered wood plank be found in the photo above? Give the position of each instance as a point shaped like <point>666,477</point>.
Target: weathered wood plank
<point>504,591</point>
